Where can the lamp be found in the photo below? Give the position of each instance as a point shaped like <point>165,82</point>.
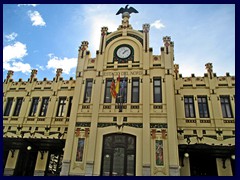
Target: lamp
<point>233,157</point>
<point>29,148</point>
<point>186,155</point>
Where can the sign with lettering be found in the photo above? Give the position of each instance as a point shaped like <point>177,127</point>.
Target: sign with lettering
<point>126,73</point>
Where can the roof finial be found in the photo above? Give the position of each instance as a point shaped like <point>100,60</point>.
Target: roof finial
<point>126,11</point>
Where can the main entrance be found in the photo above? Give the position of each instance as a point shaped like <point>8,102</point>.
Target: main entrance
<point>118,155</point>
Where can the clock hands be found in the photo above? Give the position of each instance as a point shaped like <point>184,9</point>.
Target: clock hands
<point>125,51</point>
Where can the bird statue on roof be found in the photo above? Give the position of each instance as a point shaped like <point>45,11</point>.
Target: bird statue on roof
<point>126,9</point>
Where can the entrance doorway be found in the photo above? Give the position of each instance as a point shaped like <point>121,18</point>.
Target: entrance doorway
<point>26,163</point>
<point>203,165</point>
<point>118,155</point>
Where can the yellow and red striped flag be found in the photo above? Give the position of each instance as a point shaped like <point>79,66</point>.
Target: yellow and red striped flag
<point>113,89</point>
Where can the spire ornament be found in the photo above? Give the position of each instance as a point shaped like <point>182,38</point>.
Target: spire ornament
<point>126,11</point>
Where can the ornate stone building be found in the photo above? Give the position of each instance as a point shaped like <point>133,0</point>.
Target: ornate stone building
<point>159,124</point>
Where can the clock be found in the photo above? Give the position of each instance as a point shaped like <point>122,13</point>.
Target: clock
<point>123,52</point>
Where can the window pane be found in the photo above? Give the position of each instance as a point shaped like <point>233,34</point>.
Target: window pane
<point>157,96</point>
<point>189,107</point>
<point>130,165</point>
<point>61,107</point>
<point>226,107</point>
<point>107,96</point>
<point>18,107</point>
<point>203,107</point>
<point>118,162</point>
<point>34,105</point>
<point>157,82</point>
<point>8,106</point>
<point>44,106</point>
<point>135,91</point>
<point>224,111</point>
<point>88,91</point>
<point>106,165</point>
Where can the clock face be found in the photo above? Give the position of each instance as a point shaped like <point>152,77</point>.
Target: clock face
<point>123,52</point>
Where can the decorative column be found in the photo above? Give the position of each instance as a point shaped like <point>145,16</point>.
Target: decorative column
<point>166,41</point>
<point>83,48</point>
<point>173,158</point>
<point>103,39</point>
<point>146,28</point>
<point>82,51</point>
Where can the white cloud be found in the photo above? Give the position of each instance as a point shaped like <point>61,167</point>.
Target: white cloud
<point>158,24</point>
<point>11,54</point>
<point>93,14</point>
<point>15,51</point>
<point>34,5</point>
<point>36,18</point>
<point>66,63</point>
<point>18,66</point>
<point>11,36</point>
<point>40,67</point>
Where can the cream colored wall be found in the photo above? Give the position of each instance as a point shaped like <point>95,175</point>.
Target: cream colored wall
<point>11,161</point>
<point>41,163</point>
<point>227,171</point>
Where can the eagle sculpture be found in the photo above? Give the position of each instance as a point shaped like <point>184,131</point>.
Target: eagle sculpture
<point>126,9</point>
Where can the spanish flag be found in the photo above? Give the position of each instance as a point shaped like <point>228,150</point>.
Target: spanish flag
<point>113,89</point>
<point>118,84</point>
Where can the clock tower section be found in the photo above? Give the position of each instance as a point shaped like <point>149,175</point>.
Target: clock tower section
<point>149,120</point>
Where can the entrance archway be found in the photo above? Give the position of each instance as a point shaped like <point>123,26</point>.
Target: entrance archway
<point>118,155</point>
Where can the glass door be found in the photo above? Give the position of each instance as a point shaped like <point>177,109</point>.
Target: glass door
<point>118,157</point>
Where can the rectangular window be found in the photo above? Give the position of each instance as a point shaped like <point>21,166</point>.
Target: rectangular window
<point>61,106</point>
<point>226,107</point>
<point>88,91</point>
<point>18,106</point>
<point>135,90</point>
<point>34,105</point>
<point>69,106</point>
<point>203,107</point>
<point>189,107</point>
<point>108,96</point>
<point>43,110</point>
<point>8,106</point>
<point>122,94</point>
<point>157,92</point>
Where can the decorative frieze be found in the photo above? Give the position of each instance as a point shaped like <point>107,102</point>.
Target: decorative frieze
<point>158,125</point>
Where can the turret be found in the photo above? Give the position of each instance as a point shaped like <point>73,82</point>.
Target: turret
<point>58,74</point>
<point>9,76</point>
<point>33,75</point>
<point>209,68</point>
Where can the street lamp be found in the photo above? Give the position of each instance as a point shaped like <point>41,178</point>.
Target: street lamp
<point>186,155</point>
<point>29,148</point>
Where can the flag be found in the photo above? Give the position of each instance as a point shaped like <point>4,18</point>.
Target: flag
<point>118,84</point>
<point>123,89</point>
<point>113,89</point>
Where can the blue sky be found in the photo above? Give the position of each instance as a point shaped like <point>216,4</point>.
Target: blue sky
<point>46,37</point>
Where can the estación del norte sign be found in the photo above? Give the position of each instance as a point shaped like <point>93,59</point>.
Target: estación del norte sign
<point>126,73</point>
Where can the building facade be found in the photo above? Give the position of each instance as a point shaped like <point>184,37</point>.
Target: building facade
<point>159,123</point>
